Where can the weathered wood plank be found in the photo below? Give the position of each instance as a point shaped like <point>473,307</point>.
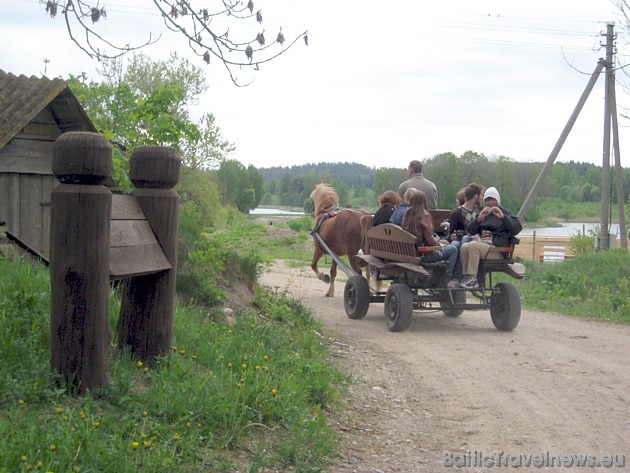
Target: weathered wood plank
<point>23,147</point>
<point>125,261</point>
<point>48,130</point>
<point>131,233</point>
<point>31,211</point>
<point>25,165</point>
<point>44,116</point>
<point>126,207</point>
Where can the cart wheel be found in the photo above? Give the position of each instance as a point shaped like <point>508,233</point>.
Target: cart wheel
<point>459,297</point>
<point>398,307</point>
<point>356,297</point>
<point>505,306</point>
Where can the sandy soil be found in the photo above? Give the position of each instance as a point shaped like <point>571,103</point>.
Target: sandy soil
<point>556,384</point>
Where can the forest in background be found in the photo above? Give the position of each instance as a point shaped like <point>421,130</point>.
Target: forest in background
<point>359,185</point>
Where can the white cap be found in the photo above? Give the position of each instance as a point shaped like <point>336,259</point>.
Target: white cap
<point>492,192</point>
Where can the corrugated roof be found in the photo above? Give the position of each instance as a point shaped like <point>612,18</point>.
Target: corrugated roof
<point>22,98</point>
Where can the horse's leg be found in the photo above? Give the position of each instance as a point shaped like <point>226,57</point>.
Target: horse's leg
<point>333,275</point>
<point>317,254</point>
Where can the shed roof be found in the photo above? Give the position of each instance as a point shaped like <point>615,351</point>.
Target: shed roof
<point>22,98</point>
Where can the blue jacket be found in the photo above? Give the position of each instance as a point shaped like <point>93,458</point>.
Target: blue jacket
<point>399,213</point>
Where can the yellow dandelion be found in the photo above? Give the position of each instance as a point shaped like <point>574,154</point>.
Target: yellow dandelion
<point>265,358</point>
<point>244,366</point>
<point>176,437</point>
<point>40,464</point>
<point>245,357</point>
<point>257,367</point>
<point>97,424</point>
<point>146,369</point>
<point>145,413</point>
<point>59,410</point>
<point>239,385</point>
<point>140,364</point>
<point>265,368</point>
<point>64,417</point>
<point>82,415</point>
<point>174,348</point>
<point>29,466</point>
<point>194,357</point>
<point>23,458</point>
<point>20,401</point>
<point>52,447</point>
<point>229,365</point>
<point>146,443</point>
<point>182,352</point>
<point>274,391</point>
<point>188,425</point>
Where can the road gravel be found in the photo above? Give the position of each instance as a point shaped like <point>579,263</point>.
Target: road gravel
<point>556,385</point>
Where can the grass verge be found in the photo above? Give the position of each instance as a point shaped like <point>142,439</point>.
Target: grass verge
<point>251,395</point>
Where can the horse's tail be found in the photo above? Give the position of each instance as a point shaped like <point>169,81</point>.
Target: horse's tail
<point>365,222</point>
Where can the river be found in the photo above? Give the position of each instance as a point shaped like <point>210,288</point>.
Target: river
<point>570,229</point>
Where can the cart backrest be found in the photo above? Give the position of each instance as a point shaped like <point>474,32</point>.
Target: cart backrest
<point>439,215</point>
<point>391,242</point>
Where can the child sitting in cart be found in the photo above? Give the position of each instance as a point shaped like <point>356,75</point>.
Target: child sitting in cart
<point>419,222</point>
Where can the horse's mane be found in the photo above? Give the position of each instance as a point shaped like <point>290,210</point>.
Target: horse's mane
<point>324,199</point>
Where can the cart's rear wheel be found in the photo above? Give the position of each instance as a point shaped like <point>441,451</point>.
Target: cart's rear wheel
<point>356,297</point>
<point>505,306</point>
<point>398,307</point>
<point>459,297</point>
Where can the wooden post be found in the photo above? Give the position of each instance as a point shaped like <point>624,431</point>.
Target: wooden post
<point>146,315</point>
<point>79,259</point>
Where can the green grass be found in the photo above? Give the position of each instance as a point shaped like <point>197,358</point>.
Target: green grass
<point>248,396</point>
<point>594,285</point>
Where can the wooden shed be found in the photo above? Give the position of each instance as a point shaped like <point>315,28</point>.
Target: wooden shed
<point>34,112</point>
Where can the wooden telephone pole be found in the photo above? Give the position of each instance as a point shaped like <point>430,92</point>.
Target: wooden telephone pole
<point>610,120</point>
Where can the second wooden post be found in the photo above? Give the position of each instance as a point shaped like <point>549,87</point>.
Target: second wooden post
<point>145,325</point>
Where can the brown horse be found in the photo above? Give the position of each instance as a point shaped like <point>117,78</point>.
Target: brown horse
<point>341,229</point>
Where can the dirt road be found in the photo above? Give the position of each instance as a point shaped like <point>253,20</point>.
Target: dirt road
<point>556,384</point>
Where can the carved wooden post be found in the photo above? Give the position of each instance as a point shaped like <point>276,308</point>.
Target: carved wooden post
<point>79,259</point>
<point>146,315</point>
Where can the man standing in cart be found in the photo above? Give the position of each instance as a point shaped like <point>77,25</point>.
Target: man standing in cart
<point>418,181</point>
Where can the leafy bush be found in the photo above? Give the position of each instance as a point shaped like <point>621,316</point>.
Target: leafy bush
<point>302,224</point>
<point>582,244</point>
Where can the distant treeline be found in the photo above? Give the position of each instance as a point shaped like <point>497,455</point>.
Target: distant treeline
<point>359,185</point>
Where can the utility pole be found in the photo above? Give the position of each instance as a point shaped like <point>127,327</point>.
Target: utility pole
<point>563,137</point>
<point>603,242</point>
<point>610,119</point>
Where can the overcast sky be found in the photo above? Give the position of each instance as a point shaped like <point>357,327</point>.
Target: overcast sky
<point>381,86</point>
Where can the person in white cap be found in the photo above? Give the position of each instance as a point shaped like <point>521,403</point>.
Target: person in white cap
<point>495,226</point>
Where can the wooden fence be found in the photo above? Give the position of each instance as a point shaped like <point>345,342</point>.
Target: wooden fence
<point>545,248</point>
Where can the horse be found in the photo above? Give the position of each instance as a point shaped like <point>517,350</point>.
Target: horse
<point>343,230</point>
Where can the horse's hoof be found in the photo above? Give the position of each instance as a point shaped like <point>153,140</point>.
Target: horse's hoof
<point>326,278</point>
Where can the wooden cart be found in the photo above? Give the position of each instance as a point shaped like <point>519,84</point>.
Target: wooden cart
<point>418,286</point>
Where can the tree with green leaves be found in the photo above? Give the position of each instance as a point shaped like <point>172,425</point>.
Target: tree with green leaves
<point>148,103</point>
<point>239,185</point>
<point>207,31</point>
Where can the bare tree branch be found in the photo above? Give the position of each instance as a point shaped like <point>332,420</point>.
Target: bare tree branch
<point>205,31</point>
